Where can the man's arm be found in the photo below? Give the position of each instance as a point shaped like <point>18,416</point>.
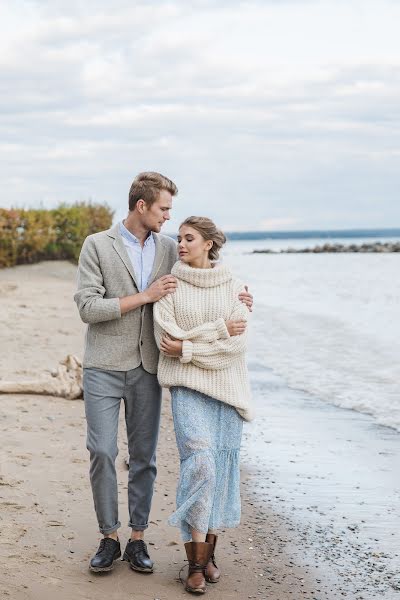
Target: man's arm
<point>157,290</point>
<point>93,307</point>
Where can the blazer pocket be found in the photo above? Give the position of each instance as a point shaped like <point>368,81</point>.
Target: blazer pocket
<point>114,328</point>
<point>109,350</point>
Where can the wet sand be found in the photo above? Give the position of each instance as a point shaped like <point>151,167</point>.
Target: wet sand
<point>320,484</point>
<point>328,488</point>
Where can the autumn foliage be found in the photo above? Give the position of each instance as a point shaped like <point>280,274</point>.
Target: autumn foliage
<point>28,236</point>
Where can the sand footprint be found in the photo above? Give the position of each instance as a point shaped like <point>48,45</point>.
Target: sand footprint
<point>11,533</point>
<point>10,505</point>
<point>7,289</point>
<point>8,482</point>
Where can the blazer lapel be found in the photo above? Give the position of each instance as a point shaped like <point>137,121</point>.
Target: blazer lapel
<point>121,250</point>
<point>158,259</point>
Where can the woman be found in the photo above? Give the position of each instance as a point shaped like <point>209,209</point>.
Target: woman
<point>200,330</point>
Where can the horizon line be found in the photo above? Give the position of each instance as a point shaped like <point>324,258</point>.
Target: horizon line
<point>363,230</point>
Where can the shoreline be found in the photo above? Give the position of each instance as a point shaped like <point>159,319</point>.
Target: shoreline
<point>317,480</point>
<point>325,481</point>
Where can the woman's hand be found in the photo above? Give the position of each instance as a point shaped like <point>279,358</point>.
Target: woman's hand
<point>171,347</point>
<point>236,327</point>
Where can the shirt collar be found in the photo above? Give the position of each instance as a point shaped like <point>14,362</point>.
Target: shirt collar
<point>127,235</point>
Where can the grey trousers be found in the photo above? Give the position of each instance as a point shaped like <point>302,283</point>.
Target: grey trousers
<point>103,391</point>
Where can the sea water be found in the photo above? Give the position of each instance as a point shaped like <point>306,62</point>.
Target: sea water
<point>328,324</point>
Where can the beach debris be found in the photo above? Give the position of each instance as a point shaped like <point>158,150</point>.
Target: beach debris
<point>64,382</point>
<point>395,583</point>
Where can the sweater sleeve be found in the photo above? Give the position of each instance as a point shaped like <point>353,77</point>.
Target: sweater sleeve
<point>219,353</point>
<point>92,306</point>
<point>165,323</point>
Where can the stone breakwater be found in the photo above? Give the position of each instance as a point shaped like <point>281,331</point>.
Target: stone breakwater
<point>373,247</point>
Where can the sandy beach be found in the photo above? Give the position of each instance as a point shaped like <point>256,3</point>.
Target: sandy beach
<point>320,484</point>
<point>47,522</point>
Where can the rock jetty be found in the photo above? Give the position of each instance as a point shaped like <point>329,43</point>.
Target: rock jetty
<point>330,248</point>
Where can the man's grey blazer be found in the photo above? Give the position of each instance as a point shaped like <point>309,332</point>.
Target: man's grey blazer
<point>105,273</point>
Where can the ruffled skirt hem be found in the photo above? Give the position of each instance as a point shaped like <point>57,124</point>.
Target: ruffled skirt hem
<point>208,495</point>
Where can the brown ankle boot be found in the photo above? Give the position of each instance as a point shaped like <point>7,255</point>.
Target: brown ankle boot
<point>212,573</point>
<point>198,554</point>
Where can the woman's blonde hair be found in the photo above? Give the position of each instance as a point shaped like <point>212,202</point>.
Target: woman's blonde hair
<point>208,231</point>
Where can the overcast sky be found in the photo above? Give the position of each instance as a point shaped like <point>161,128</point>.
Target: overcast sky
<point>268,115</point>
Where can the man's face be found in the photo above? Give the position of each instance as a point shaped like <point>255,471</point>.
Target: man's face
<point>155,216</point>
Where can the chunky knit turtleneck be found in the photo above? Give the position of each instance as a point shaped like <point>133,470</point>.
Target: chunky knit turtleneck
<point>217,275</point>
<point>212,361</point>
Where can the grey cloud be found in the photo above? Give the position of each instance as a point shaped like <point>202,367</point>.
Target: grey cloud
<point>103,98</point>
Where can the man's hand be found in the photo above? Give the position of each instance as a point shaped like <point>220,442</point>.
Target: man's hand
<point>160,288</point>
<point>246,298</point>
<point>236,327</point>
<point>171,347</point>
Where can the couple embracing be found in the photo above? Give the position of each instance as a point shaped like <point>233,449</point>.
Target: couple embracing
<point>155,321</point>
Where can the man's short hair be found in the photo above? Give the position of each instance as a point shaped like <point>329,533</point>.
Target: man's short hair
<point>147,186</point>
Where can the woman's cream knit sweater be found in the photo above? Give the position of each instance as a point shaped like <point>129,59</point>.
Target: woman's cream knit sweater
<point>212,361</point>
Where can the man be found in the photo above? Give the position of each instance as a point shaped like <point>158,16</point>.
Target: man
<point>121,273</point>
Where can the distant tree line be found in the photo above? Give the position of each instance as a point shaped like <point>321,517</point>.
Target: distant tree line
<point>29,236</point>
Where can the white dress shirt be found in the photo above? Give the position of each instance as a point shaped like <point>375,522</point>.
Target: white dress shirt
<point>142,259</point>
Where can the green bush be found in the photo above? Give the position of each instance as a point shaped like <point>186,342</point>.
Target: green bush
<point>28,236</point>
<point>36,232</point>
<point>9,233</point>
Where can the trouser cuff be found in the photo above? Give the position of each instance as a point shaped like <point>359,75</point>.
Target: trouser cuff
<point>108,530</point>
<point>136,527</point>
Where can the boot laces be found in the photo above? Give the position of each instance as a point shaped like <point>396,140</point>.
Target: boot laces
<point>106,547</point>
<point>192,567</point>
<point>140,546</point>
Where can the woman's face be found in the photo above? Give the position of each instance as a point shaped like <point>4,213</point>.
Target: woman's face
<point>192,247</point>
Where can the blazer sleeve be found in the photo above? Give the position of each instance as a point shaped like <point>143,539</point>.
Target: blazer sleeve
<point>219,353</point>
<point>165,323</point>
<point>92,306</point>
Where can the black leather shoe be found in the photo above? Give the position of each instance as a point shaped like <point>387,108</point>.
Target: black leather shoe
<point>109,550</point>
<point>138,557</point>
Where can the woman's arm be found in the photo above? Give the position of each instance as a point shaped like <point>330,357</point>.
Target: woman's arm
<point>165,323</point>
<point>213,354</point>
<point>217,354</point>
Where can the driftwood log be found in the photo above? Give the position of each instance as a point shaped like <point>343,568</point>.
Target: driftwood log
<point>64,382</point>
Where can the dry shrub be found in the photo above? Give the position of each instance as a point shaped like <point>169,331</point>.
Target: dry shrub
<point>9,233</point>
<point>28,236</point>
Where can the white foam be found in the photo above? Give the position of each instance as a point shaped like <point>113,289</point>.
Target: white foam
<point>328,323</point>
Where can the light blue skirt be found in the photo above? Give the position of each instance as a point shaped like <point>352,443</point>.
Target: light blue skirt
<point>208,435</point>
